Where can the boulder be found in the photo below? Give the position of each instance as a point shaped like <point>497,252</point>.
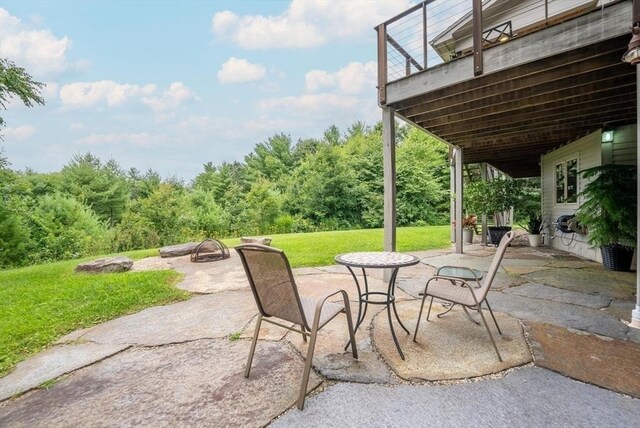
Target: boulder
<point>263,240</point>
<point>110,264</point>
<point>178,250</point>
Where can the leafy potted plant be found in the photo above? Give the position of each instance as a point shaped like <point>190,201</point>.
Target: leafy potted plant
<point>608,211</point>
<point>493,197</point>
<point>534,226</point>
<point>469,225</point>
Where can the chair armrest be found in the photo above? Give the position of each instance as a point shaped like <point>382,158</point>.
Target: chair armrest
<point>455,281</point>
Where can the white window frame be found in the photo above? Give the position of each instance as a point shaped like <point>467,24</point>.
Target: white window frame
<point>564,163</point>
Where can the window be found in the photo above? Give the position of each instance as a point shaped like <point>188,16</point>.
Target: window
<point>567,182</point>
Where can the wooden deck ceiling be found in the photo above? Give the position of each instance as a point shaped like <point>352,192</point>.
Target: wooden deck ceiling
<point>511,117</point>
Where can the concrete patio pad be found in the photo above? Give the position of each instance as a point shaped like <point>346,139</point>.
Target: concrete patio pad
<point>527,397</point>
<point>199,383</point>
<point>451,347</point>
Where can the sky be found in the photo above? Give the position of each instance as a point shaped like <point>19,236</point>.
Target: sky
<point>171,85</point>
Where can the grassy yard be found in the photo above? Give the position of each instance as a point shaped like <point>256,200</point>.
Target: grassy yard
<point>319,248</point>
<point>39,304</point>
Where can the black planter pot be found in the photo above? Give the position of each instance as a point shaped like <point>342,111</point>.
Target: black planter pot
<point>617,257</point>
<point>496,233</point>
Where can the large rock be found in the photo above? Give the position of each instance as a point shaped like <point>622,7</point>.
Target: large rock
<point>262,240</point>
<point>110,264</point>
<point>178,250</point>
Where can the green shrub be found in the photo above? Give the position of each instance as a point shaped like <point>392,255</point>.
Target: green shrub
<point>63,228</point>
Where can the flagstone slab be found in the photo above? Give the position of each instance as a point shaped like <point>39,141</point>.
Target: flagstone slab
<point>451,347</point>
<point>198,383</point>
<point>544,292</point>
<point>618,285</point>
<point>51,364</point>
<point>562,314</point>
<point>610,363</point>
<point>209,316</point>
<point>472,262</point>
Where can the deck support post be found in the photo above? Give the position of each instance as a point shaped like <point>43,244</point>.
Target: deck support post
<point>483,177</point>
<point>459,196</point>
<point>389,167</point>
<point>635,313</point>
<point>452,192</point>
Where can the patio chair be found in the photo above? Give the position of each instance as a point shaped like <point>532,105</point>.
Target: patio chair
<point>458,291</point>
<point>276,296</point>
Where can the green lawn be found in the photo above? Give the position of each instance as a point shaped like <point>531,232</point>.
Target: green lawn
<point>39,304</point>
<point>319,248</point>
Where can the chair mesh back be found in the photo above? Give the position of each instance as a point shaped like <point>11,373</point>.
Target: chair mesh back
<point>495,264</point>
<point>272,282</point>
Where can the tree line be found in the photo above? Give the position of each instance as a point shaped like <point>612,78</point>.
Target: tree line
<point>92,206</point>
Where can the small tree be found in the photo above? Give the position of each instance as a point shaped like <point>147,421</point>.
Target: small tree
<point>15,81</point>
<point>493,197</point>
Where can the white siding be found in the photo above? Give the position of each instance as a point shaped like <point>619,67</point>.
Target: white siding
<point>589,154</point>
<point>625,149</point>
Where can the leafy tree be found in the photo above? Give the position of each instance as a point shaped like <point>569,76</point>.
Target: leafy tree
<point>271,159</point>
<point>101,187</point>
<point>264,206</point>
<point>168,210</point>
<point>210,218</point>
<point>326,191</point>
<point>142,185</point>
<point>332,136</point>
<point>135,231</point>
<point>63,228</point>
<point>304,148</point>
<point>422,180</point>
<point>219,180</point>
<point>15,81</point>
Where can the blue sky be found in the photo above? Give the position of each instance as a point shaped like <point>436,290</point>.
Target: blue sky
<point>170,85</point>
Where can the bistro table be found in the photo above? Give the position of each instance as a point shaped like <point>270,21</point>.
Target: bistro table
<point>377,260</point>
<point>459,272</point>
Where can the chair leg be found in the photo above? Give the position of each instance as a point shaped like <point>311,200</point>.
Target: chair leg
<point>490,335</point>
<point>430,304</point>
<point>307,366</point>
<point>254,341</point>
<point>492,316</point>
<point>304,336</point>
<point>352,336</point>
<point>415,334</point>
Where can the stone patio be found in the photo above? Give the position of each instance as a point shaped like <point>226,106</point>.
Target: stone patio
<point>182,364</point>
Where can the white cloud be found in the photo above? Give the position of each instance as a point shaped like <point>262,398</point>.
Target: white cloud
<point>238,70</point>
<point>142,139</point>
<point>306,23</point>
<point>84,94</point>
<point>309,104</point>
<point>19,133</point>
<point>171,98</point>
<point>76,126</point>
<point>355,78</point>
<point>37,50</point>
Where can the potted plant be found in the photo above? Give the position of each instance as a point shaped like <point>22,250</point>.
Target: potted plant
<point>534,226</point>
<point>608,211</point>
<point>469,225</point>
<point>493,197</point>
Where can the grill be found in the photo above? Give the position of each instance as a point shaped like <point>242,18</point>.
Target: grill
<point>209,250</point>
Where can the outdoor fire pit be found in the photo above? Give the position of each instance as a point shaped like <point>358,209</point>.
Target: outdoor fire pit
<point>210,250</point>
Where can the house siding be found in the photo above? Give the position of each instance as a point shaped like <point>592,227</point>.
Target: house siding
<point>589,154</point>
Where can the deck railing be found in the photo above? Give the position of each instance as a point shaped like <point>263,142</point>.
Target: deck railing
<point>405,42</point>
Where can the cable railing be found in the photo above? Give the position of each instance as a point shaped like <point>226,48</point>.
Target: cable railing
<point>434,32</point>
